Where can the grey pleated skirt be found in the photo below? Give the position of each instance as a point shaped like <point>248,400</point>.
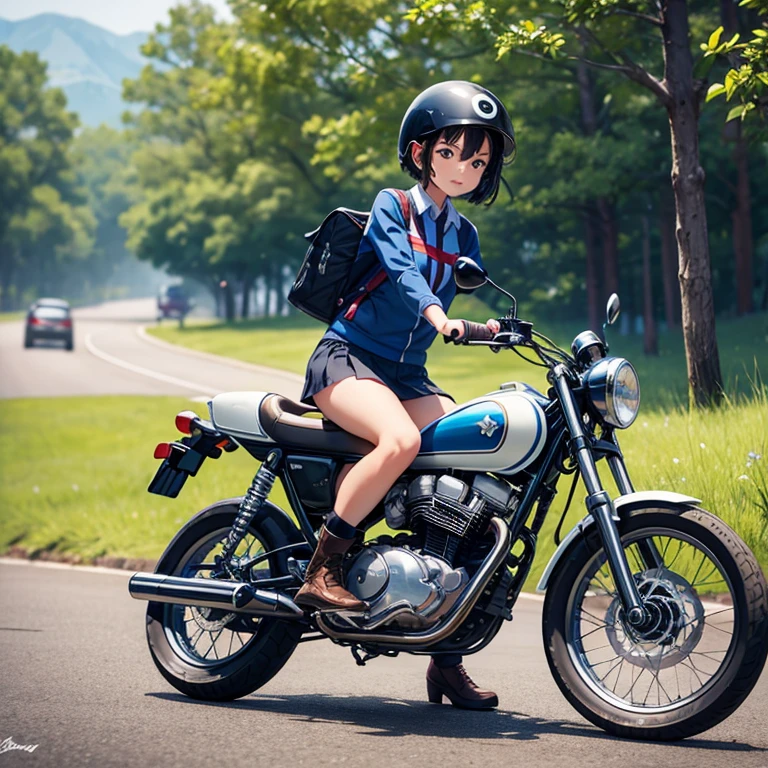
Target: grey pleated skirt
<point>335,359</point>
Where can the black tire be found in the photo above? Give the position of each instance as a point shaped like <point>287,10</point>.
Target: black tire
<point>70,345</point>
<point>28,342</point>
<point>252,666</point>
<point>735,674</point>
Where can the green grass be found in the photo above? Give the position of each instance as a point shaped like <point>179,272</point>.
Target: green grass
<point>74,472</point>
<point>466,372</point>
<point>9,317</point>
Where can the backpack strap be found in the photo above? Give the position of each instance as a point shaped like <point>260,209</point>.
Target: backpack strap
<point>417,243</point>
<point>380,275</point>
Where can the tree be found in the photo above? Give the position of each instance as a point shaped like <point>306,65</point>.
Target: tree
<point>35,177</point>
<point>606,28</point>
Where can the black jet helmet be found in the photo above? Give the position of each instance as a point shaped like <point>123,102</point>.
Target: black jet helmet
<point>454,102</point>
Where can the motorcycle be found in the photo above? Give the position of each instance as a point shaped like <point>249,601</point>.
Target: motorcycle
<point>655,618</point>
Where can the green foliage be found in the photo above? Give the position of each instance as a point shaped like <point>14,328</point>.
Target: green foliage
<point>44,223</point>
<point>747,78</point>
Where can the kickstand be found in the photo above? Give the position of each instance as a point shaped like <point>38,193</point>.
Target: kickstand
<point>361,660</point>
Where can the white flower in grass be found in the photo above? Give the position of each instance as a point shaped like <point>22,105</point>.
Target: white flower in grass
<point>682,479</point>
<point>645,423</point>
<point>754,456</point>
<point>742,477</point>
<point>675,460</point>
<point>35,489</point>
<point>75,487</point>
<point>702,446</point>
<point>749,464</point>
<point>134,515</point>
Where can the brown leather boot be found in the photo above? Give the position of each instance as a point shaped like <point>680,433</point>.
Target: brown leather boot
<point>323,588</point>
<point>458,687</point>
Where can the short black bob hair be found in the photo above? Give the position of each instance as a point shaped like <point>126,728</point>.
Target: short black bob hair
<point>474,135</point>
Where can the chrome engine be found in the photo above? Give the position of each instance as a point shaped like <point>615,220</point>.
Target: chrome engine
<point>413,587</point>
<point>404,589</point>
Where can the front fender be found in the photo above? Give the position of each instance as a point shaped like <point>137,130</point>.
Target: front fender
<point>625,504</point>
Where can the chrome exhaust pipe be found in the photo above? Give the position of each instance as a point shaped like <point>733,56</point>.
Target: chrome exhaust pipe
<point>453,619</point>
<point>232,596</point>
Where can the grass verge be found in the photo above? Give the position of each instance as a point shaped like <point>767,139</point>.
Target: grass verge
<point>465,372</point>
<point>74,472</point>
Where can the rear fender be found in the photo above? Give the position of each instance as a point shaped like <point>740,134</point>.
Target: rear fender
<point>277,524</point>
<point>623,506</point>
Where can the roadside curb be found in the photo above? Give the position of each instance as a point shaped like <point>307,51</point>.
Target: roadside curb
<point>104,562</point>
<point>141,332</point>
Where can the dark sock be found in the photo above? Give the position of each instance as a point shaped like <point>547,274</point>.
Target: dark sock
<point>444,660</point>
<point>339,527</point>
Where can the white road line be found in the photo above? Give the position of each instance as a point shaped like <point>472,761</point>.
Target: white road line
<point>200,388</point>
<point>141,332</point>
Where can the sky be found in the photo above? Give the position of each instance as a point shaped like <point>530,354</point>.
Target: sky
<point>119,16</point>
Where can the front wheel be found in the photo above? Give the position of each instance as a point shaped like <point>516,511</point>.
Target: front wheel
<point>704,643</point>
<point>210,653</point>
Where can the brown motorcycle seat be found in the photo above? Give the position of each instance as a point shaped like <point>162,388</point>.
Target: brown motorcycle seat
<point>284,420</point>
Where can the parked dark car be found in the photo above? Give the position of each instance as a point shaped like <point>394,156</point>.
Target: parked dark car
<point>50,320</point>
<point>172,301</point>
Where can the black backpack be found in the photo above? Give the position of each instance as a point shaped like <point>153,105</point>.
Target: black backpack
<point>332,276</point>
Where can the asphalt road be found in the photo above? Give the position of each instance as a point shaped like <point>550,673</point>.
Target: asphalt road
<point>77,680</point>
<point>113,357</point>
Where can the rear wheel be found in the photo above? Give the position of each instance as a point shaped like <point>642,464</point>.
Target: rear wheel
<point>702,649</point>
<point>211,653</point>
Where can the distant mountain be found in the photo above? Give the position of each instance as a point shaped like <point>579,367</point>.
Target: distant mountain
<point>86,61</point>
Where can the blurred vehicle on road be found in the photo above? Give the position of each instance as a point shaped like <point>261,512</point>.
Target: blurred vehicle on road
<point>49,320</point>
<point>172,301</point>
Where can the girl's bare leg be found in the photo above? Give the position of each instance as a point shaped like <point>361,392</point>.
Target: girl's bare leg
<point>370,410</point>
<point>423,411</point>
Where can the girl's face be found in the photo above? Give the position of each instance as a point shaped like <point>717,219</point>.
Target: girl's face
<point>450,173</point>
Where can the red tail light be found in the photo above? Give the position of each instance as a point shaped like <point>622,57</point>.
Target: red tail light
<point>184,422</point>
<point>163,450</point>
<point>35,321</point>
<point>66,323</point>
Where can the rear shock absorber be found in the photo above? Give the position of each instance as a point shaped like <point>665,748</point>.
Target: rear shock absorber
<point>252,503</point>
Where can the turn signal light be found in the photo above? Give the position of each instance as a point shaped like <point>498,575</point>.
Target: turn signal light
<point>184,422</point>
<point>163,450</point>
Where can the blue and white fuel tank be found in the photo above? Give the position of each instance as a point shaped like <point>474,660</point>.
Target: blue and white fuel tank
<point>500,432</point>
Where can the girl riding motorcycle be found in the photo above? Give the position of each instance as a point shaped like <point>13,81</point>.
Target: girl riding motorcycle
<point>367,373</point>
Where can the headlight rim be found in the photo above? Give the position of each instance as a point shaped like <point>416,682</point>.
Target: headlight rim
<point>600,381</point>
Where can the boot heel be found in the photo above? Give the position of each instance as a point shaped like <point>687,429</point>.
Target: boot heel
<point>434,693</point>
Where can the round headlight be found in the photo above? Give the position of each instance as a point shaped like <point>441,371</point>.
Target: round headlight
<point>614,390</point>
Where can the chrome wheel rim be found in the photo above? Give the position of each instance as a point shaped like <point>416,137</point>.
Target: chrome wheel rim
<point>685,648</point>
<point>207,637</point>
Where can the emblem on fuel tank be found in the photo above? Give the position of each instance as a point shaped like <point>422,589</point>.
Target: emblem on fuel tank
<point>487,426</point>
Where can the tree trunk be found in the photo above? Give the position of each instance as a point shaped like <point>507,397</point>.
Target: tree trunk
<point>741,216</point>
<point>650,339</point>
<point>704,377</point>
<point>594,304</point>
<point>669,262</point>
<point>589,124</point>
<point>229,301</point>
<point>610,232</point>
<point>245,306</point>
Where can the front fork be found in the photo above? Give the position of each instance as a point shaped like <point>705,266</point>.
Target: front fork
<point>598,502</point>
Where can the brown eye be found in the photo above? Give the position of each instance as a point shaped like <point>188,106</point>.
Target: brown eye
<point>445,153</point>
<point>478,164</point>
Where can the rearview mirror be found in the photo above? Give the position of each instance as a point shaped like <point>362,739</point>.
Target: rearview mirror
<point>468,274</point>
<point>612,309</point>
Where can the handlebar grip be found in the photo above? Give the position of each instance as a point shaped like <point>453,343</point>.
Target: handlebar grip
<point>477,332</point>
